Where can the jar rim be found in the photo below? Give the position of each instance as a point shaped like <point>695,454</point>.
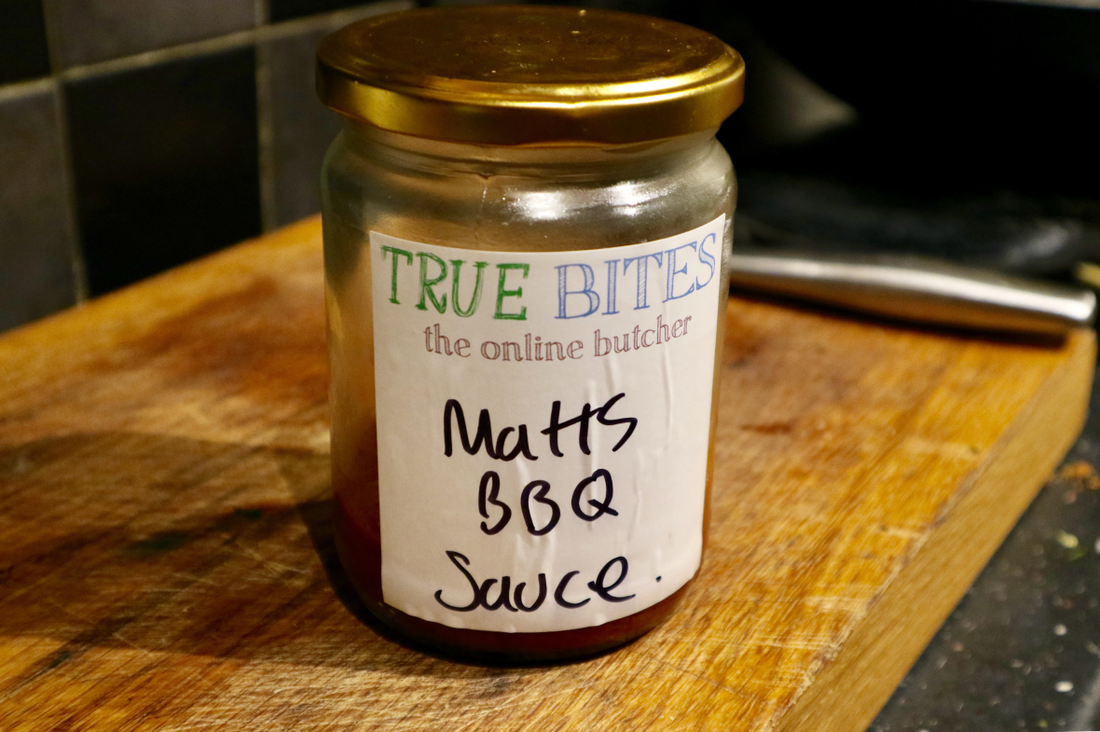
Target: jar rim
<point>518,75</point>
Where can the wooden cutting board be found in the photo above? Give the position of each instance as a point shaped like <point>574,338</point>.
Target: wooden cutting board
<point>166,556</point>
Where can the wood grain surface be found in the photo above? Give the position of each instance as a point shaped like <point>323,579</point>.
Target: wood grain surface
<point>166,557</point>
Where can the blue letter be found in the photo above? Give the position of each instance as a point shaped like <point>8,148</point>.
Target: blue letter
<point>612,291</point>
<point>706,258</point>
<point>643,276</point>
<point>564,291</point>
<point>672,272</point>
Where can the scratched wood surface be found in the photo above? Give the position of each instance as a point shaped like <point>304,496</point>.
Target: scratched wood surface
<point>166,558</point>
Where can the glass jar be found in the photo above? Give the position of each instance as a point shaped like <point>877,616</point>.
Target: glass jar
<point>526,231</point>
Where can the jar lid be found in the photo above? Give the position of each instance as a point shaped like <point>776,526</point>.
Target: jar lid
<point>515,75</point>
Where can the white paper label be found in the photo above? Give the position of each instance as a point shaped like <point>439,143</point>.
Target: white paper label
<point>543,423</point>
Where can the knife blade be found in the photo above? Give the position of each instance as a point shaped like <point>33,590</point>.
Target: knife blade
<point>917,289</point>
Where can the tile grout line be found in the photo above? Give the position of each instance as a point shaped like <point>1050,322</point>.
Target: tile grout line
<point>26,88</point>
<point>53,39</point>
<point>77,260</point>
<point>265,124</point>
<point>298,26</point>
<point>72,222</point>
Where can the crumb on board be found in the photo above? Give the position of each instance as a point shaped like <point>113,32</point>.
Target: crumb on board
<point>1081,470</point>
<point>1067,540</point>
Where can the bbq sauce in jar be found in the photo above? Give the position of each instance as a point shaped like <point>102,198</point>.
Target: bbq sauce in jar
<point>527,220</point>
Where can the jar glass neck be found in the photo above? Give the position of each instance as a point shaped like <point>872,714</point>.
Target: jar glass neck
<point>563,159</point>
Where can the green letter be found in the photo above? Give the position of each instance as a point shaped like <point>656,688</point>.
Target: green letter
<point>456,264</point>
<point>395,251</point>
<point>426,284</point>
<point>502,293</point>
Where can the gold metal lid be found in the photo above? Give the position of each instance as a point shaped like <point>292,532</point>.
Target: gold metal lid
<point>515,75</point>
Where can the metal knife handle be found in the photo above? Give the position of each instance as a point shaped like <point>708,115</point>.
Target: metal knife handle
<point>918,290</point>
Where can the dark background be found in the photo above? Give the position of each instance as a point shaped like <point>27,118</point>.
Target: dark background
<point>139,134</point>
<point>136,135</point>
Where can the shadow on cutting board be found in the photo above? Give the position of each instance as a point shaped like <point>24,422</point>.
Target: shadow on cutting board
<point>171,545</point>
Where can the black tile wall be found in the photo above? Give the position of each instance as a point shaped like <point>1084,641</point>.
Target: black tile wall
<point>86,31</point>
<point>132,134</point>
<point>23,50</point>
<point>166,164</point>
<point>36,235</point>
<point>288,9</point>
<point>301,128</point>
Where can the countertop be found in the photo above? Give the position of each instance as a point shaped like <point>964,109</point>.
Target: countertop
<point>1022,649</point>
